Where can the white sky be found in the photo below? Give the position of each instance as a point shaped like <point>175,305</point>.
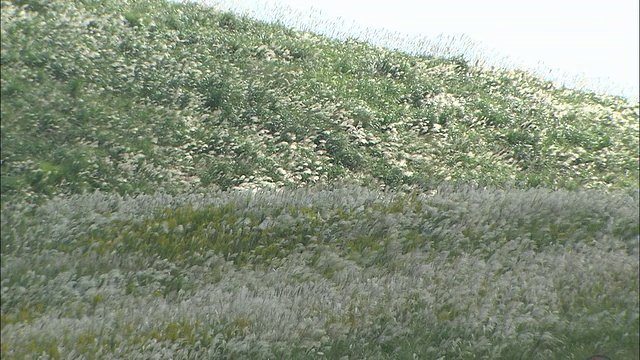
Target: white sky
<point>595,39</point>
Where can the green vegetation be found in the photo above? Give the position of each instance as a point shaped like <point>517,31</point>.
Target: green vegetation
<point>184,183</point>
<point>324,273</point>
<point>144,95</point>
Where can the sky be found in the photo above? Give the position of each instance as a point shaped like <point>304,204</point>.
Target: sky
<point>582,43</point>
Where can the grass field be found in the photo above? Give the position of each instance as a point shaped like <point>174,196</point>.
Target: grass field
<point>179,182</point>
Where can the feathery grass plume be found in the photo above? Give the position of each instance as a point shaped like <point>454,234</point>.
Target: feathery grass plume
<point>180,182</point>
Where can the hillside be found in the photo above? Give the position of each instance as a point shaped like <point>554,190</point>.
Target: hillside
<point>140,96</point>
<point>184,183</point>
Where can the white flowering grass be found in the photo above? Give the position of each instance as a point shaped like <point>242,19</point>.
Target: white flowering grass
<point>462,273</point>
<point>196,126</point>
<point>140,96</point>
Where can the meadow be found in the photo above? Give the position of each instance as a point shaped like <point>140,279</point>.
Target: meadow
<point>181,182</point>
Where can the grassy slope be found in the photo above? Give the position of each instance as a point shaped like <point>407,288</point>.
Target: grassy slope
<point>140,96</point>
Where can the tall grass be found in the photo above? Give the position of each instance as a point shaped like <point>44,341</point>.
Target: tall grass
<point>180,182</point>
<point>150,96</point>
<point>323,273</point>
<point>442,45</point>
